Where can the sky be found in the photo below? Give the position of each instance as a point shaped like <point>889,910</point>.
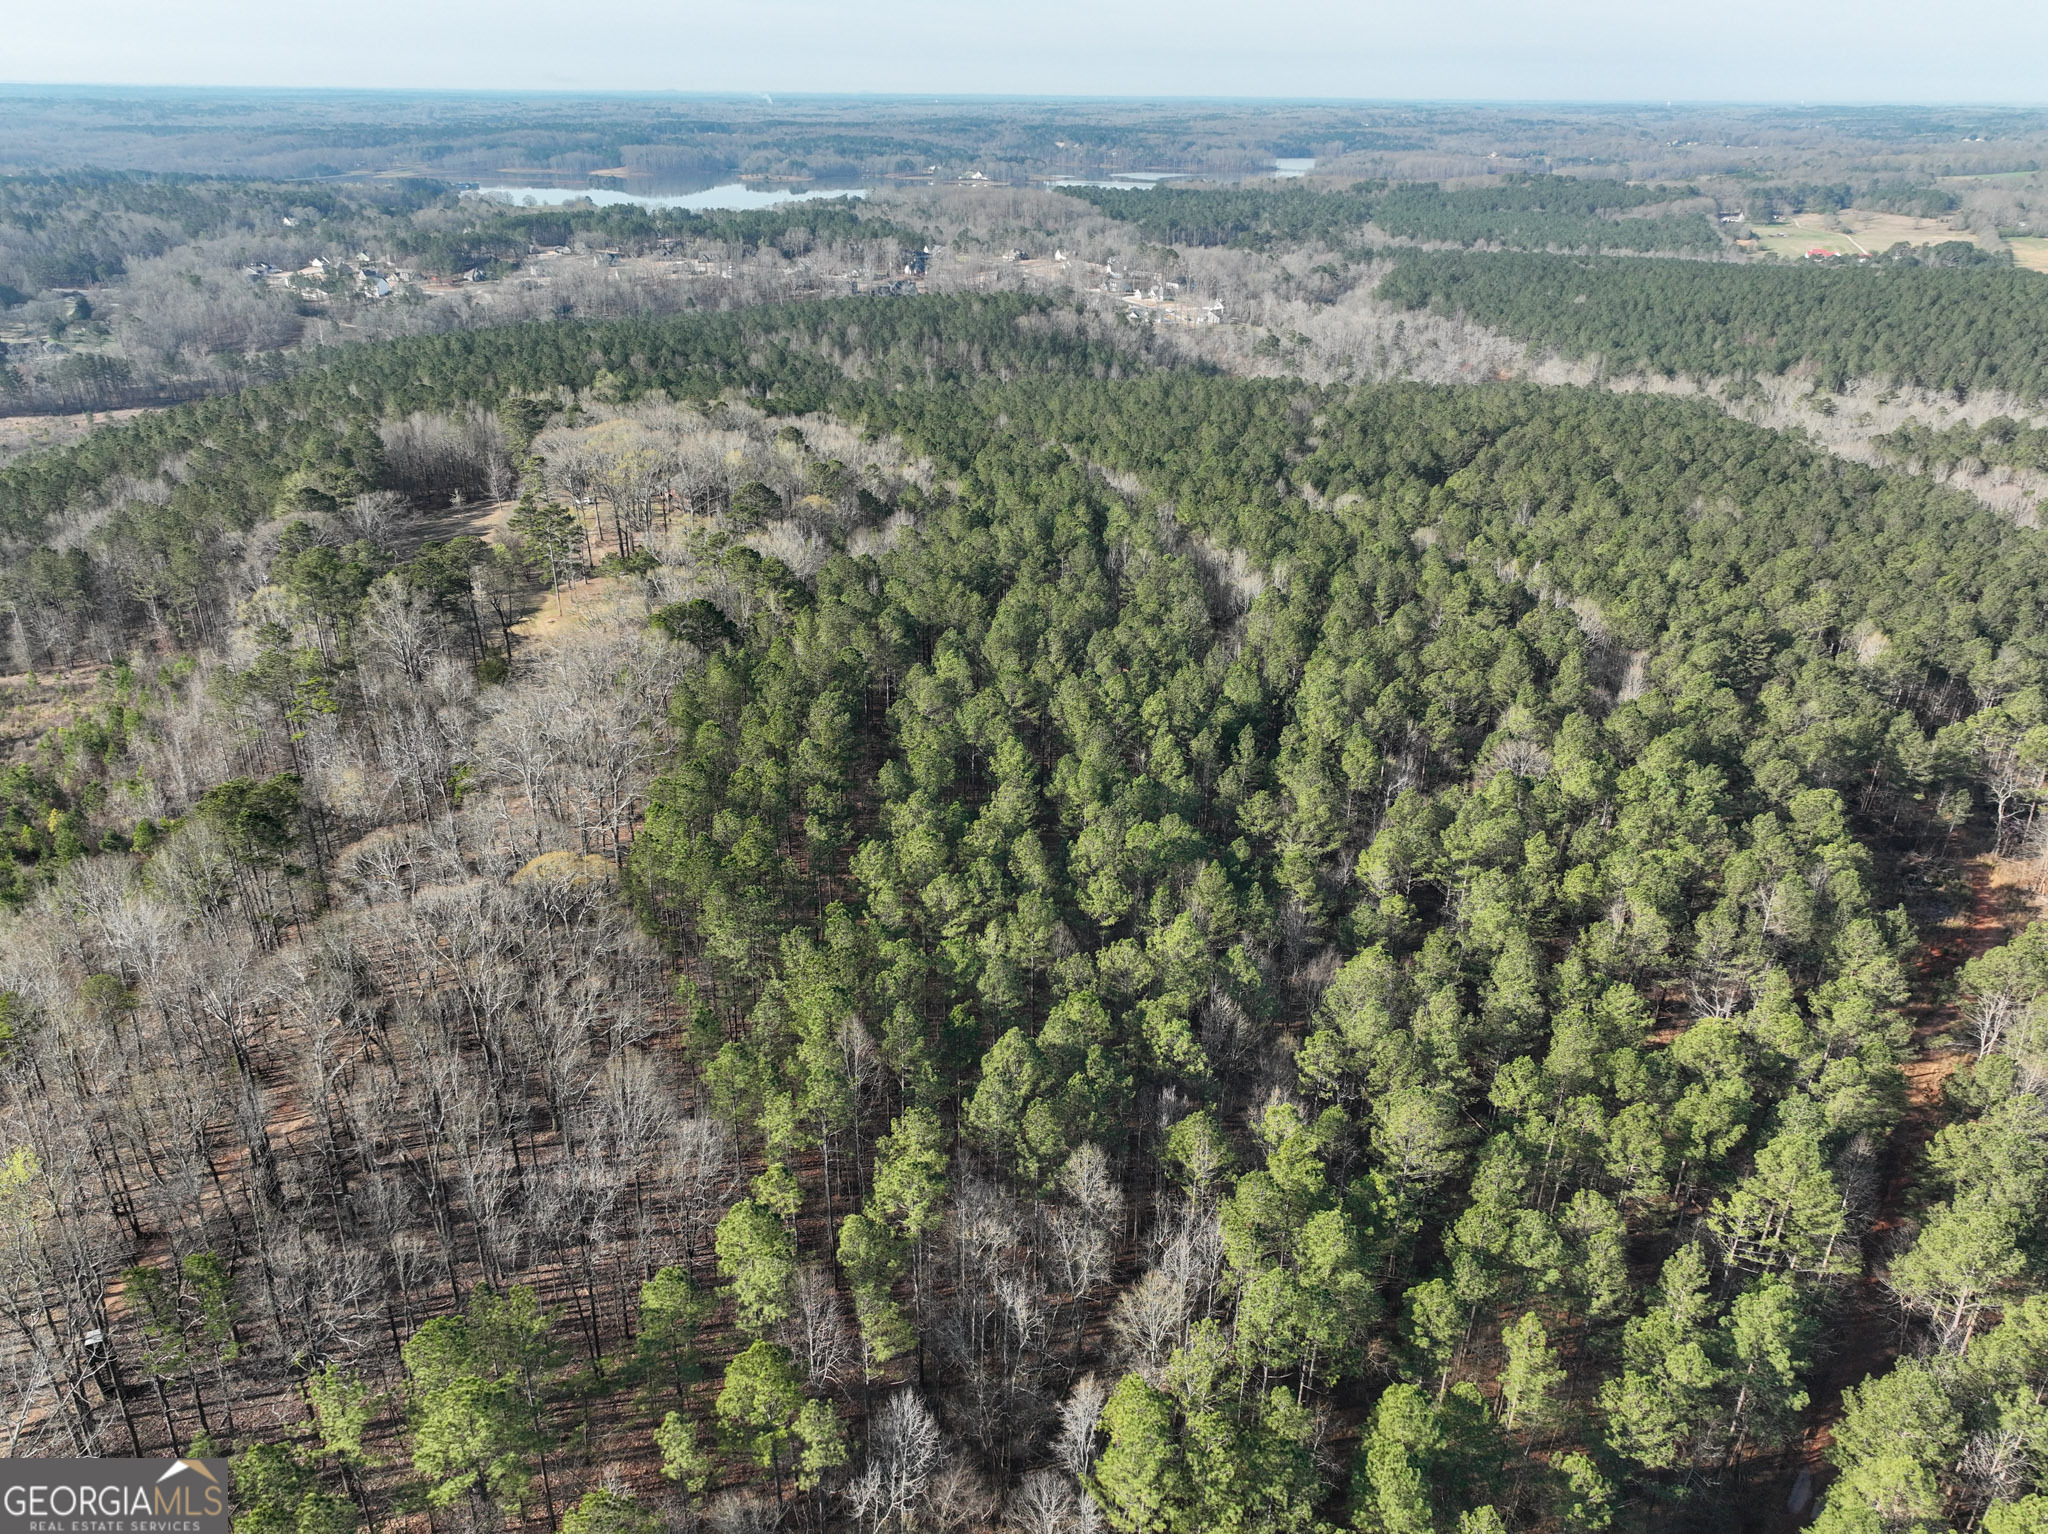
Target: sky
<point>1530,50</point>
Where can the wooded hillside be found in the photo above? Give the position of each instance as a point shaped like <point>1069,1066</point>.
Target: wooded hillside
<point>1072,943</point>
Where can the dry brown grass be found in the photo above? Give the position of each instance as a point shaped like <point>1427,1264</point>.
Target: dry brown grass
<point>21,434</point>
<point>32,705</point>
<point>2030,253</point>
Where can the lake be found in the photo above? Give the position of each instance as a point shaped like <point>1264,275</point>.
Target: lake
<point>1132,181</point>
<point>1286,169</point>
<point>718,198</point>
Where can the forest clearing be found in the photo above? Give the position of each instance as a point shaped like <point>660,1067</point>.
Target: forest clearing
<point>1855,232</point>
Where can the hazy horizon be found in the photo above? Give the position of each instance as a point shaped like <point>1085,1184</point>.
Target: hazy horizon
<point>1033,98</point>
<point>1983,52</point>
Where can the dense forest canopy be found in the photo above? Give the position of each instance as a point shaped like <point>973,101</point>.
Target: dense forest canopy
<point>1076,941</point>
<point>1543,213</point>
<point>1976,329</point>
<point>1249,216</point>
<point>2000,440</point>
<point>1667,514</point>
<point>1518,212</point>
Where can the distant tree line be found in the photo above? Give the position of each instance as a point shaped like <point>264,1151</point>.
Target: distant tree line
<point>1959,331</point>
<point>1544,213</point>
<point>1914,198</point>
<point>82,228</point>
<point>1518,212</point>
<point>494,235</point>
<point>1247,217</point>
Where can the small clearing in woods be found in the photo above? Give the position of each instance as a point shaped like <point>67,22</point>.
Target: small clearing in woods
<point>579,601</point>
<point>472,519</point>
<point>21,434</point>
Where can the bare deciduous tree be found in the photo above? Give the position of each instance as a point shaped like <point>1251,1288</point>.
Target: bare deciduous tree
<point>1150,1319</point>
<point>1074,1445</point>
<point>816,1332</point>
<point>904,1455</point>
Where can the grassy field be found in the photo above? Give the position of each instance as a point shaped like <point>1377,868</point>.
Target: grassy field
<point>2031,252</point>
<point>1854,232</point>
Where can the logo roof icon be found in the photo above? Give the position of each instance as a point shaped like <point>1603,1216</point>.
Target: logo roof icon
<point>187,1464</point>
